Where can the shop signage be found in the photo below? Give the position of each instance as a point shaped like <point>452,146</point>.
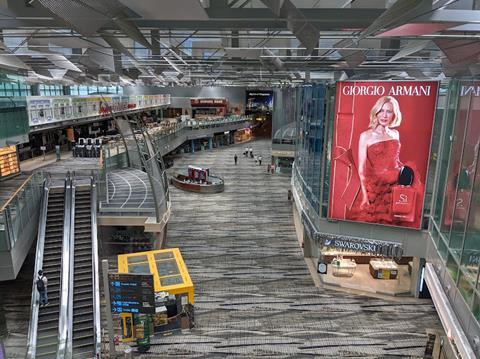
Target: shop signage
<point>470,90</point>
<point>351,245</point>
<point>382,248</point>
<point>199,102</point>
<point>131,293</point>
<point>278,153</point>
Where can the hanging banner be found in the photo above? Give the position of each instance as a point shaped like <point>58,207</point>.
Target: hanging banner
<point>381,144</point>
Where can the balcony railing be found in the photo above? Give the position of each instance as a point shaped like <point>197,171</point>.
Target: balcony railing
<point>17,212</point>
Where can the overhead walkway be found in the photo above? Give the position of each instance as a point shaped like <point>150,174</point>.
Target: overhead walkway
<point>67,252</point>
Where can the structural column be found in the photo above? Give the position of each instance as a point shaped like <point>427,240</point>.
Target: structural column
<point>210,143</point>
<point>192,142</point>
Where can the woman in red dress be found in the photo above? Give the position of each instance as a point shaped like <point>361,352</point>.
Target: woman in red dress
<point>378,163</point>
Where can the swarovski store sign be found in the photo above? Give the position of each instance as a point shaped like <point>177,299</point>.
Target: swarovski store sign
<point>386,249</point>
<point>351,245</point>
<point>382,248</point>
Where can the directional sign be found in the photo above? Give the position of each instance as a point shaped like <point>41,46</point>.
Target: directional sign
<point>131,293</point>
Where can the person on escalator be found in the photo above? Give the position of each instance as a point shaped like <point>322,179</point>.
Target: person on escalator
<point>42,282</point>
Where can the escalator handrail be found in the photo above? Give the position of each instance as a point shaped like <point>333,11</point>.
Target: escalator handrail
<point>65,274</point>
<point>69,345</point>
<point>96,278</point>
<point>33,326</point>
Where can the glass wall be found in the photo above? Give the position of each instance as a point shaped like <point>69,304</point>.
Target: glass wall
<point>14,89</point>
<point>50,90</point>
<point>310,118</point>
<point>455,218</point>
<point>13,120</point>
<point>91,90</point>
<point>13,86</point>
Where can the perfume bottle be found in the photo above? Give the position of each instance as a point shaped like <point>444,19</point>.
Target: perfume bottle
<point>404,197</point>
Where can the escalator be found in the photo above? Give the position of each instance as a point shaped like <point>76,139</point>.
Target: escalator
<point>48,316</point>
<point>69,326</point>
<point>83,344</point>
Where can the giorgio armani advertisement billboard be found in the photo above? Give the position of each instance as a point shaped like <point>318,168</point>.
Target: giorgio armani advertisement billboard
<point>381,144</point>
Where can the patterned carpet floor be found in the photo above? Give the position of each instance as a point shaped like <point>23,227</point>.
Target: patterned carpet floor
<point>254,296</point>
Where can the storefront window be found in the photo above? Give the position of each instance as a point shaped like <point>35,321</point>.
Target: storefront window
<point>444,152</point>
<point>310,127</point>
<point>465,285</point>
<point>456,215</point>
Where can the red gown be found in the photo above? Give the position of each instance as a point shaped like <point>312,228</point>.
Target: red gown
<point>382,168</point>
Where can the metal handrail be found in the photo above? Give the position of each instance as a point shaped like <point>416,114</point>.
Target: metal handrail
<point>33,326</point>
<point>71,286</point>
<point>15,193</point>
<point>96,278</point>
<point>65,275</point>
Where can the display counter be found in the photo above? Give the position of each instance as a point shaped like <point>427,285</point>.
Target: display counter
<point>383,269</point>
<point>343,267</point>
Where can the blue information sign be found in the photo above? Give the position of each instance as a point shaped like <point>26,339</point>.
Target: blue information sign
<point>131,293</point>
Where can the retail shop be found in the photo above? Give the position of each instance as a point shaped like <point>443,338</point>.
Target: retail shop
<point>208,108</point>
<point>242,135</point>
<point>363,264</point>
<point>356,192</point>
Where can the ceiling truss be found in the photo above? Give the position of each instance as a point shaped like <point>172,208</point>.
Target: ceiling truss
<point>232,42</point>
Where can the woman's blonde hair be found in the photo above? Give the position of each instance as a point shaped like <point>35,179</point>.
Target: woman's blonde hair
<point>397,120</point>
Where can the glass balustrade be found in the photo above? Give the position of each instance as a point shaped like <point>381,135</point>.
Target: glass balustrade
<point>19,210</point>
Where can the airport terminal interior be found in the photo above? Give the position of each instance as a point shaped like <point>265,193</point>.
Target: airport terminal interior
<point>239,179</point>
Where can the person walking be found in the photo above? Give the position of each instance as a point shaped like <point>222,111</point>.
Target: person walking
<point>259,160</point>
<point>251,152</point>
<point>246,152</point>
<point>256,160</point>
<point>42,282</point>
<point>235,158</point>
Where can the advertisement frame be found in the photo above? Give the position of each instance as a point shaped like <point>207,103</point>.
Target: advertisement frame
<point>332,170</point>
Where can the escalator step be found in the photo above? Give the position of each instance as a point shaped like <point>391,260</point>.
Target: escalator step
<point>84,310</point>
<point>83,296</point>
<point>83,261</point>
<point>83,331</point>
<point>83,341</point>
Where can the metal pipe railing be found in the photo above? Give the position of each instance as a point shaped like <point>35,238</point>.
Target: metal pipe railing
<point>71,286</point>
<point>32,328</point>
<point>96,278</point>
<point>65,274</point>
